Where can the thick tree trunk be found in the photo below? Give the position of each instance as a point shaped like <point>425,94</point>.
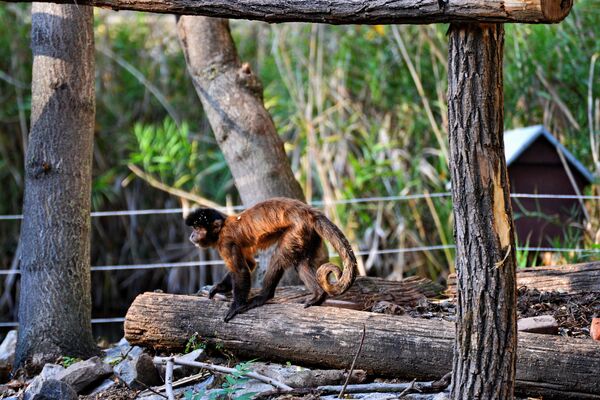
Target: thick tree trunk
<point>353,11</point>
<point>486,329</point>
<point>572,279</point>
<point>400,346</point>
<point>231,95</point>
<point>55,300</point>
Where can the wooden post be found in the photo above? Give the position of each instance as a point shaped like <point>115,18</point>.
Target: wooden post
<point>485,347</point>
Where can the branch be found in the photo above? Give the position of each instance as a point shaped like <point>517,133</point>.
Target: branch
<point>350,11</point>
<point>218,368</point>
<point>155,183</point>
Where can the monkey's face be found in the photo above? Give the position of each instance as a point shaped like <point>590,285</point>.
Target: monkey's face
<point>199,237</point>
<point>206,224</point>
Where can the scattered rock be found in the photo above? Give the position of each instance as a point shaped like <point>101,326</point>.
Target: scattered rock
<point>50,371</point>
<point>83,374</point>
<point>52,389</point>
<point>595,329</point>
<point>116,354</point>
<point>545,324</point>
<point>7,354</point>
<point>137,370</point>
<point>103,386</point>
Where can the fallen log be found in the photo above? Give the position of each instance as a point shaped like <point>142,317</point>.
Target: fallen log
<point>400,346</point>
<point>350,11</point>
<point>572,279</point>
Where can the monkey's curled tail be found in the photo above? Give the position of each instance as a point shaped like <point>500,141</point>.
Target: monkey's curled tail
<point>328,231</point>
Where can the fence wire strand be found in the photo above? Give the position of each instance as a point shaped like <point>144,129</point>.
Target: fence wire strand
<point>320,203</point>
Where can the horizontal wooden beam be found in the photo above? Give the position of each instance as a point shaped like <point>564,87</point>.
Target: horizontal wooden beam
<point>351,11</point>
<point>550,366</point>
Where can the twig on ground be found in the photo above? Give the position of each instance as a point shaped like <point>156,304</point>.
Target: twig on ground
<point>217,368</point>
<point>408,389</point>
<point>148,388</point>
<point>169,379</point>
<point>442,383</point>
<point>177,383</point>
<point>362,341</point>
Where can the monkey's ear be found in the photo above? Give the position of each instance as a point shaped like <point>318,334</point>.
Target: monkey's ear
<point>217,225</point>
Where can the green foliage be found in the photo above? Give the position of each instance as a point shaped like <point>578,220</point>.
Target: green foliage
<point>194,343</point>
<point>67,361</point>
<point>169,153</point>
<point>233,384</point>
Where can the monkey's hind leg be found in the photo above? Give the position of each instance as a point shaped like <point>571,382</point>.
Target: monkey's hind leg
<point>270,281</point>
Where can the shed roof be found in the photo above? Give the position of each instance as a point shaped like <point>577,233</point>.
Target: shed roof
<point>516,141</point>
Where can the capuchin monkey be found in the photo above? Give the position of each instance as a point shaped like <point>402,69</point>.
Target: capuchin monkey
<point>297,230</point>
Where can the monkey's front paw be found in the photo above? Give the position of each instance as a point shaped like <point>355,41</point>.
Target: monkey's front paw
<point>213,290</point>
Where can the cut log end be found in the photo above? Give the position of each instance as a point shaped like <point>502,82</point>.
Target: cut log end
<point>556,10</point>
<point>541,11</point>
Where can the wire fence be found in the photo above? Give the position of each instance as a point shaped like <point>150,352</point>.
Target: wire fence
<point>319,203</point>
<point>187,264</point>
<point>417,249</point>
<point>379,199</point>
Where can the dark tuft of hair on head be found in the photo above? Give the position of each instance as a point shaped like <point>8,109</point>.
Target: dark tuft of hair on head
<point>203,217</point>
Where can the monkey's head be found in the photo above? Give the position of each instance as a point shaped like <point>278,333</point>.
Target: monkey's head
<point>207,224</point>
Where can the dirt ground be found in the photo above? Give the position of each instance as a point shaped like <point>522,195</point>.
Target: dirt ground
<point>573,312</point>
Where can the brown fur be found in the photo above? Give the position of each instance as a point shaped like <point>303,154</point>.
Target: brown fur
<point>295,228</point>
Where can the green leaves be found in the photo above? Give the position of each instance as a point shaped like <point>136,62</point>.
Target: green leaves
<point>176,157</point>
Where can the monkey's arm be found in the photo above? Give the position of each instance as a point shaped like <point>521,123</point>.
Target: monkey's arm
<point>240,278</point>
<point>224,286</point>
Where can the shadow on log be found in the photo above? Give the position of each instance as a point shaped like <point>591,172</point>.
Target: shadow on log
<point>550,366</point>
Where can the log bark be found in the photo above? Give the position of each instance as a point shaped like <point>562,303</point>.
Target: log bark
<point>484,353</point>
<point>572,279</point>
<point>362,295</point>
<point>55,299</point>
<point>550,366</point>
<point>352,11</point>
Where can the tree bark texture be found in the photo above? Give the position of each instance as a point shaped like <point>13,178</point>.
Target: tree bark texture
<point>486,330</point>
<point>572,279</point>
<point>55,298</point>
<point>399,346</point>
<point>352,11</point>
<point>232,97</point>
